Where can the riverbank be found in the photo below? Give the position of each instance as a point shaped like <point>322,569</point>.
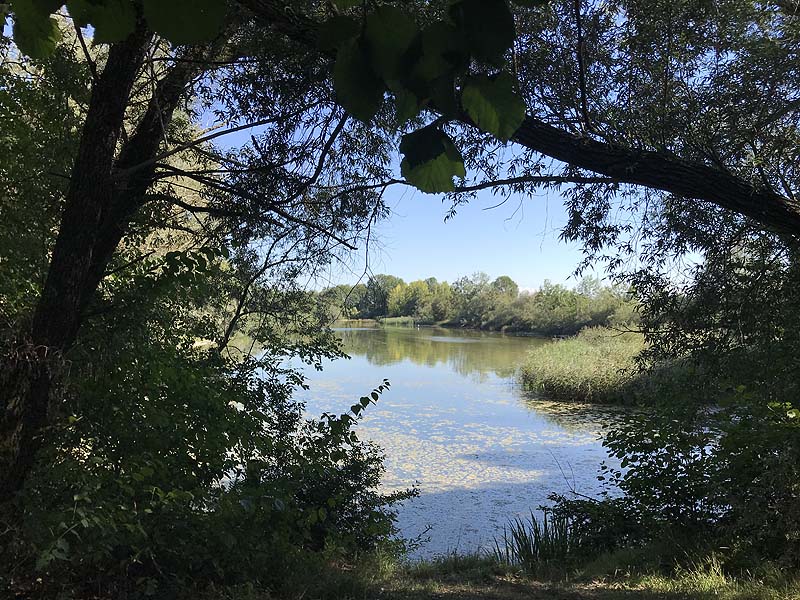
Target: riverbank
<point>453,325</point>
<point>468,578</point>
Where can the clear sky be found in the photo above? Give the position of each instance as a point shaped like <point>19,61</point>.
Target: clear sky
<point>519,239</point>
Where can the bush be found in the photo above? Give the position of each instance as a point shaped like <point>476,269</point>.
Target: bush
<point>182,471</point>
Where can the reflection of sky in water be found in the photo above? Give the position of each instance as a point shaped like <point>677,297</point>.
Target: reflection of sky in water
<point>454,423</point>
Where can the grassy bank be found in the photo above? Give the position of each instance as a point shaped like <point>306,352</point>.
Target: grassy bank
<point>483,577</point>
<point>355,323</point>
<point>403,321</point>
<point>474,577</point>
<point>597,365</point>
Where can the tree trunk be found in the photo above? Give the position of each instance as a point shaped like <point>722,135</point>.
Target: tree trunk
<point>32,365</point>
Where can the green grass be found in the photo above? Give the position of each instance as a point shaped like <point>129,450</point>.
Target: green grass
<point>476,577</point>
<point>535,543</point>
<point>707,579</point>
<point>355,323</point>
<point>597,365</point>
<point>622,575</point>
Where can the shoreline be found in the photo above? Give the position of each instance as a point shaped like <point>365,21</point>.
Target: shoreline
<point>408,322</point>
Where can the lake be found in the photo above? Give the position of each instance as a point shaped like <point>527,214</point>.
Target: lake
<point>456,424</point>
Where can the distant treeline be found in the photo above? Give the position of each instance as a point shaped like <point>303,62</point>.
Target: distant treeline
<point>479,302</point>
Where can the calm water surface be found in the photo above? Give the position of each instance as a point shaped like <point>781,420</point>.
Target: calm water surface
<point>455,424</point>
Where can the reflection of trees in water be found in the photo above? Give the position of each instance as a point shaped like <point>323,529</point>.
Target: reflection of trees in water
<point>573,416</point>
<point>467,353</point>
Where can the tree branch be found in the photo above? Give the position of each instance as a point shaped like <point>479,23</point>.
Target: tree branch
<point>270,206</point>
<point>656,170</point>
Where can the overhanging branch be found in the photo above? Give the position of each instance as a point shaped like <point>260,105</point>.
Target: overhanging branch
<point>656,170</point>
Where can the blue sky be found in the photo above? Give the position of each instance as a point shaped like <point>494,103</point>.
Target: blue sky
<point>519,239</point>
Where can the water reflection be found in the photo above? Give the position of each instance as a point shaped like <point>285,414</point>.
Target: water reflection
<point>466,352</point>
<point>455,423</point>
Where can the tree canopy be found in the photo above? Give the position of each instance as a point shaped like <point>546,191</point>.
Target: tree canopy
<point>151,278</point>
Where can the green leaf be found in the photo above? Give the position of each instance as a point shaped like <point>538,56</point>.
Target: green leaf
<point>345,4</point>
<point>389,34</point>
<point>444,41</point>
<point>113,20</point>
<point>441,54</point>
<point>35,32</point>
<point>442,93</point>
<point>357,87</point>
<point>493,104</point>
<point>531,3</point>
<point>487,27</point>
<point>337,31</point>
<point>185,21</point>
<point>431,160</point>
<point>406,103</point>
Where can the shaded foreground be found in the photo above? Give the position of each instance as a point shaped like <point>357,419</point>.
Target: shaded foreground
<point>475,577</point>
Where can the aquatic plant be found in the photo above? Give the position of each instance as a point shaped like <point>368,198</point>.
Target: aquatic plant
<point>597,365</point>
<point>535,542</point>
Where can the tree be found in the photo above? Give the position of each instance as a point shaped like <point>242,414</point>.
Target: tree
<point>578,39</point>
<point>592,133</point>
<point>376,298</point>
<point>397,301</point>
<point>505,286</point>
<point>176,428</point>
<point>473,299</point>
<point>125,170</point>
<point>442,302</point>
<point>342,301</point>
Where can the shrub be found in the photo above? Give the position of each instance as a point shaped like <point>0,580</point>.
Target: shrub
<point>182,471</point>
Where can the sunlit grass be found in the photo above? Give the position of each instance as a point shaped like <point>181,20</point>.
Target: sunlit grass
<point>480,576</point>
<point>597,365</point>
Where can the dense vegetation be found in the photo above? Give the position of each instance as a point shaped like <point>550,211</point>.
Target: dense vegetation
<point>176,454</point>
<point>482,303</point>
<point>149,293</point>
<point>597,365</point>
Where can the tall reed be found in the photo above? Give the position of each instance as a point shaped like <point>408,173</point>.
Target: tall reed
<point>533,542</point>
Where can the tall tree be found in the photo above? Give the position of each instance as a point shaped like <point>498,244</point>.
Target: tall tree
<point>277,189</point>
<point>722,131</point>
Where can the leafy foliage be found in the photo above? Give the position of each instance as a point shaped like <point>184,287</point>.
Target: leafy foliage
<point>493,105</point>
<point>481,303</point>
<point>181,21</point>
<point>113,21</point>
<point>176,458</point>
<point>431,160</point>
<point>384,50</point>
<point>358,89</point>
<point>34,29</point>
